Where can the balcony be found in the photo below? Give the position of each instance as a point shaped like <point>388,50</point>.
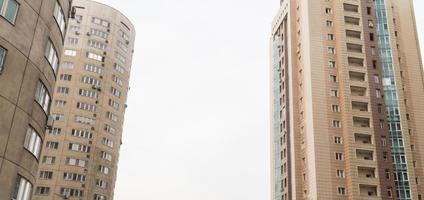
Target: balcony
<point>359,106</point>
<point>364,155</point>
<point>361,122</point>
<point>357,76</point>
<point>366,172</point>
<point>351,8</point>
<point>354,48</point>
<point>354,21</point>
<point>355,62</point>
<point>353,34</point>
<point>368,190</point>
<point>358,91</point>
<point>363,138</point>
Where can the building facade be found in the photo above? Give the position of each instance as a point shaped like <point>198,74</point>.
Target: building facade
<point>81,150</point>
<point>31,42</point>
<point>347,93</point>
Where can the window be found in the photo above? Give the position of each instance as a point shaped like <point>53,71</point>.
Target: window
<point>115,92</point>
<point>378,93</point>
<point>122,45</point>
<point>72,41</point>
<point>52,145</point>
<point>119,68</point>
<point>114,104</point>
<point>330,36</point>
<point>376,78</point>
<point>97,45</point>
<point>329,23</point>
<point>57,116</point>
<point>339,156</point>
<point>65,77</point>
<point>337,140</point>
<point>389,192</point>
<point>369,10</point>
<point>3,52</point>
<point>331,50</point>
<point>99,197</point>
<point>110,129</point>
<point>103,169</point>
<point>332,64</point>
<point>9,10</point>
<point>341,191</point>
<point>60,18</point>
<point>333,78</point>
<point>340,173</point>
<point>33,142</point>
<point>22,189</point>
<point>42,191</point>
<point>328,11</point>
<point>105,155</point>
<point>112,116</point>
<point>335,108</point>
<point>95,56</point>
<point>120,57</point>
<point>84,120</point>
<point>79,147</point>
<point>334,93</point>
<point>92,68</point>
<point>88,93</point>
<point>46,175</point>
<point>67,65</point>
<point>90,81</point>
<point>70,192</point>
<point>74,28</point>
<point>101,183</point>
<point>69,52</point>
<point>73,177</point>
<point>62,90</point>
<point>373,51</point>
<point>99,33</point>
<point>49,160</point>
<point>51,55</point>
<point>100,22</point>
<point>42,96</point>
<point>81,134</point>
<point>117,80</point>
<point>371,36</point>
<point>55,131</point>
<point>86,106</point>
<point>123,35</point>
<point>336,124</point>
<point>76,162</point>
<point>108,142</point>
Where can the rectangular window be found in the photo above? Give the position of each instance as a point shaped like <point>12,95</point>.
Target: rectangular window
<point>95,56</point>
<point>81,134</point>
<point>114,104</point>
<point>100,22</point>
<point>65,77</point>
<point>90,81</point>
<point>119,68</point>
<point>76,162</point>
<point>51,55</point>
<point>333,78</point>
<point>376,78</point>
<point>329,23</point>
<point>341,191</point>
<point>332,64</point>
<point>67,65</point>
<point>105,155</point>
<point>340,173</point>
<point>120,57</point>
<point>70,192</point>
<point>339,156</point>
<point>49,160</point>
<point>73,177</point>
<point>72,41</point>
<point>112,116</point>
<point>98,33</point>
<point>334,93</point>
<point>330,37</point>
<point>55,131</point>
<point>42,191</point>
<point>60,18</point>
<point>103,169</point>
<point>52,145</point>
<point>97,45</point>
<point>9,10</point>
<point>115,92</point>
<point>42,96</point>
<point>22,188</point>
<point>33,142</point>
<point>3,52</point>
<point>123,35</point>
<point>335,108</point>
<point>378,93</point>
<point>70,52</point>
<point>62,90</point>
<point>328,11</point>
<point>338,140</point>
<point>86,106</point>
<point>99,197</point>
<point>88,93</point>
<point>331,50</point>
<point>46,175</point>
<point>336,124</point>
<point>108,142</point>
<point>84,120</point>
<point>92,68</point>
<point>110,129</point>
<point>117,80</point>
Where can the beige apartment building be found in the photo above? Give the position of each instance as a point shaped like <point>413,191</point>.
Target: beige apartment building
<point>347,103</point>
<point>80,155</point>
<point>31,42</point>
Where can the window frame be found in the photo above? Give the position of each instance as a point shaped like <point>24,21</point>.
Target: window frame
<point>46,108</point>
<point>31,137</point>
<point>58,10</point>
<point>22,195</point>
<point>3,10</point>
<point>2,58</point>
<point>47,52</point>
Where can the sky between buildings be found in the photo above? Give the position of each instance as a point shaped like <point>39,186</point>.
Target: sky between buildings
<point>197,125</point>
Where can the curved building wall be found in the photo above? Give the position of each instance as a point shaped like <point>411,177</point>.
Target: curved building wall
<point>82,148</point>
<point>26,29</point>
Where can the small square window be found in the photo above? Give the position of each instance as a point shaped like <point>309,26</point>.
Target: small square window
<point>338,140</point>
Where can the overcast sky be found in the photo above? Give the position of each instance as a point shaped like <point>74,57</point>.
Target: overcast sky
<point>197,123</point>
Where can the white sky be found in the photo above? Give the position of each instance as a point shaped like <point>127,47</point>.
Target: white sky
<point>197,123</point>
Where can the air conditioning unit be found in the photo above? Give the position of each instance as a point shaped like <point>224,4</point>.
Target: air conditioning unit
<point>107,41</point>
<point>128,42</point>
<point>94,87</point>
<point>92,128</point>
<point>77,33</point>
<point>79,21</point>
<point>88,34</point>
<point>101,77</point>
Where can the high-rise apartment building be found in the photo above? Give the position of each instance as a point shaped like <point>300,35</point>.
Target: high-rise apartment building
<point>31,42</point>
<point>347,101</point>
<point>80,153</point>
